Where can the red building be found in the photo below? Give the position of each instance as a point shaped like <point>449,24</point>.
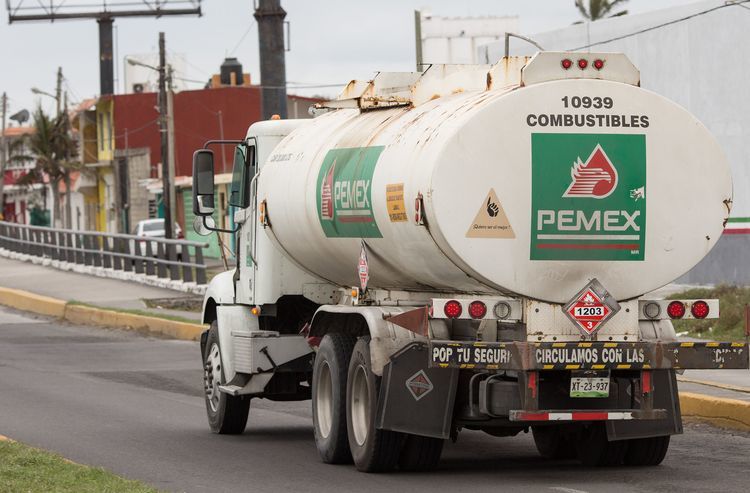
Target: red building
<point>199,116</point>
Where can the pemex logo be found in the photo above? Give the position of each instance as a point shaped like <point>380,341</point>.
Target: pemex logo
<point>344,192</point>
<point>326,195</point>
<point>592,209</point>
<point>596,178</point>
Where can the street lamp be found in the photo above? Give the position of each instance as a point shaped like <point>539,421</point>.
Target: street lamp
<point>38,91</point>
<point>166,172</point>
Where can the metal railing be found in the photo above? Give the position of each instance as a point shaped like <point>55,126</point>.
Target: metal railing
<point>150,256</point>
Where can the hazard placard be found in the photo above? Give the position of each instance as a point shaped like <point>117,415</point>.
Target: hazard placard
<point>591,307</point>
<point>363,269</point>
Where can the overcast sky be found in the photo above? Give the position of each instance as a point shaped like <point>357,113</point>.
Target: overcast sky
<point>332,41</point>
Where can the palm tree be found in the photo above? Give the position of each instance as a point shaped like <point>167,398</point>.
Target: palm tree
<point>599,9</point>
<point>51,147</point>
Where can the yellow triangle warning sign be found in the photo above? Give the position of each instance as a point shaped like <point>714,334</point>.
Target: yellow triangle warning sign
<point>490,221</point>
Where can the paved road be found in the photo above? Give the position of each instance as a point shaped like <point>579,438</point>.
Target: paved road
<point>133,405</point>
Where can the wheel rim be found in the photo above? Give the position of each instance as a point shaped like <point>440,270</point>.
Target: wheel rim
<point>212,377</point>
<point>324,400</point>
<point>360,405</point>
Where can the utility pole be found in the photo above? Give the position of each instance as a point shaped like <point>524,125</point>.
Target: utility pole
<point>3,156</point>
<point>58,90</point>
<point>170,144</point>
<point>270,17</point>
<point>418,36</point>
<point>221,136</point>
<point>163,130</point>
<point>106,67</point>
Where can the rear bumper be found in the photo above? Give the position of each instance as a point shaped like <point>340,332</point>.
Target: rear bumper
<point>528,356</point>
<point>588,415</point>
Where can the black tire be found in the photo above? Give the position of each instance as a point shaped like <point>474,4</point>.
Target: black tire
<point>552,443</point>
<point>593,448</point>
<point>330,369</point>
<point>227,415</point>
<point>373,450</point>
<point>420,453</point>
<point>647,451</point>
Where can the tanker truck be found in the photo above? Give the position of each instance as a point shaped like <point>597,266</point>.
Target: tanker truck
<point>468,247</point>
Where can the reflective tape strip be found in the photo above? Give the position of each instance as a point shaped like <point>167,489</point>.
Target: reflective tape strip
<point>571,416</point>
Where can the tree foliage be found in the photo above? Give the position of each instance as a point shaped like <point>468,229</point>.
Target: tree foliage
<point>52,148</point>
<point>599,9</point>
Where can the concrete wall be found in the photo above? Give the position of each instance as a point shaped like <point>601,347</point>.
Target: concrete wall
<point>137,163</point>
<point>701,64</point>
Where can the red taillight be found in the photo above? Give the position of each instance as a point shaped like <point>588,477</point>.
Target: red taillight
<point>583,63</point>
<point>452,309</point>
<point>566,63</point>
<point>598,64</point>
<point>676,309</point>
<point>477,309</point>
<point>699,309</point>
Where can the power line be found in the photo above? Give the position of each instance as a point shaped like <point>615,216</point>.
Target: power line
<point>242,38</point>
<point>730,3</point>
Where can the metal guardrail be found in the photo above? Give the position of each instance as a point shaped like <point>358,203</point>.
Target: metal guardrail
<point>164,258</point>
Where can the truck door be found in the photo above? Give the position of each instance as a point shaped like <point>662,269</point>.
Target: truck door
<point>242,196</point>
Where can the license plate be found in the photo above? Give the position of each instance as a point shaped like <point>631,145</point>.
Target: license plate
<point>589,387</point>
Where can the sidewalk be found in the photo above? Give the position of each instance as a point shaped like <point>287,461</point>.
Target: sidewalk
<point>97,291</point>
<point>727,384</point>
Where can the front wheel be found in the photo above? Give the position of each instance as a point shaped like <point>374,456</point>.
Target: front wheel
<point>373,450</point>
<point>227,415</point>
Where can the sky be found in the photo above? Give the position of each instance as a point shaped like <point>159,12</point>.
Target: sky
<point>331,41</point>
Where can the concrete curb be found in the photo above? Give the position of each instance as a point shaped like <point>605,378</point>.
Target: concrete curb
<point>88,315</point>
<point>727,413</point>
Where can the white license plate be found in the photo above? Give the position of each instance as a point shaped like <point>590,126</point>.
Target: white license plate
<point>589,387</point>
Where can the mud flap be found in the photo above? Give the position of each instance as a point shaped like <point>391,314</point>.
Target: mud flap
<point>665,397</point>
<point>414,398</point>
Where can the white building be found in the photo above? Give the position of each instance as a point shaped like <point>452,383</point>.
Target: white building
<point>456,39</point>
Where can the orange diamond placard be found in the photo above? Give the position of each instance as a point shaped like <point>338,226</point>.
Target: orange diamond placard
<point>591,308</point>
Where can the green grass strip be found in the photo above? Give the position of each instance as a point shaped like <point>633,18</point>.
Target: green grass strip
<point>29,470</point>
<point>174,318</point>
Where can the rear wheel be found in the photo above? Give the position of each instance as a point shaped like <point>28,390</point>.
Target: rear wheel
<point>553,443</point>
<point>373,450</point>
<point>594,449</point>
<point>227,415</point>
<point>329,397</point>
<point>420,453</point>
<point>647,451</point>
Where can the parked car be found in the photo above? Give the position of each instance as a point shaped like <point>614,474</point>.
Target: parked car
<point>154,228</point>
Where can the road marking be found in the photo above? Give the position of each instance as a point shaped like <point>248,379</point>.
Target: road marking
<point>567,490</point>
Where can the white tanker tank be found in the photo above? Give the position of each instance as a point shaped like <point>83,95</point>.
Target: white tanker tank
<point>495,179</point>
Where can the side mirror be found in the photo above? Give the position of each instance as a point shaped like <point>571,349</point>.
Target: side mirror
<point>204,226</point>
<point>203,182</point>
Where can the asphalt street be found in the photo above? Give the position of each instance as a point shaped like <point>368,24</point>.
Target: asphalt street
<point>133,405</point>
